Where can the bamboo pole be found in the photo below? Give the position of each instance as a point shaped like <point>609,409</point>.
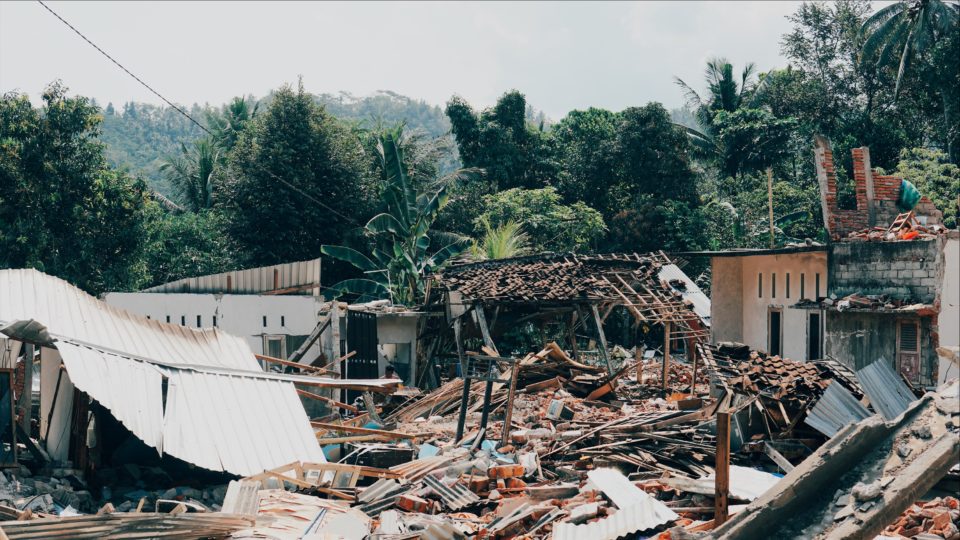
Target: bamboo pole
<point>722,470</point>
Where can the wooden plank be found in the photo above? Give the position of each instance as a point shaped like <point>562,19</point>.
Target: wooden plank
<point>331,401</point>
<point>722,469</point>
<point>311,339</point>
<point>666,355</point>
<point>603,339</point>
<point>508,414</point>
<point>777,457</point>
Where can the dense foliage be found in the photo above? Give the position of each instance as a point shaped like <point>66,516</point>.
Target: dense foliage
<point>63,208</point>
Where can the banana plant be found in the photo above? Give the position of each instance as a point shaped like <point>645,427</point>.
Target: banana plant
<point>402,250</point>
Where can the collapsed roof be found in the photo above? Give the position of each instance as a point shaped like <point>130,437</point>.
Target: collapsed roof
<point>221,411</point>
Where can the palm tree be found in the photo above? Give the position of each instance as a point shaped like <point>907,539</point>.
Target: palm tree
<point>192,173</point>
<point>726,93</point>
<point>501,242</point>
<point>228,124</point>
<point>402,247</point>
<point>907,28</point>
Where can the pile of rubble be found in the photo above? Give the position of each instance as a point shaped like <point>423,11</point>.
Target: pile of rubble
<point>585,453</point>
<point>904,227</point>
<point>931,520</point>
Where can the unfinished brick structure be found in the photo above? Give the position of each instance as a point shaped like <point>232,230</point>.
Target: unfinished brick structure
<point>876,195</point>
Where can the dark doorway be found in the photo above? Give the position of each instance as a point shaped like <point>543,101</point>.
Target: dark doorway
<point>814,337</point>
<point>361,337</point>
<point>775,332</point>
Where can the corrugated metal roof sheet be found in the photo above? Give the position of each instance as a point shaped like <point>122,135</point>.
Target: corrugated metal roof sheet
<point>251,281</point>
<point>835,409</point>
<point>888,394</point>
<point>454,497</point>
<point>692,293</point>
<point>222,412</point>
<point>645,514</point>
<point>66,310</point>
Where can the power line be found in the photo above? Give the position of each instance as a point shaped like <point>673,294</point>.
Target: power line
<point>119,65</point>
<point>184,113</point>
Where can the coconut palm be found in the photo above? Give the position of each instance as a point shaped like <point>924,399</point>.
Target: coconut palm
<point>726,93</point>
<point>906,29</point>
<point>402,248</point>
<point>228,124</point>
<point>501,242</point>
<point>192,173</point>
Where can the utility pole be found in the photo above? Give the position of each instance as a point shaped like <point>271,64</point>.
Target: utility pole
<point>722,470</point>
<point>770,201</point>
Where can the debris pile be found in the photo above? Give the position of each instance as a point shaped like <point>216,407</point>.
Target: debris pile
<point>904,227</point>
<point>938,518</point>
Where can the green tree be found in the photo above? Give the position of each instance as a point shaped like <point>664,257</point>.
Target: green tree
<point>935,177</point>
<point>228,123</point>
<point>186,244</point>
<point>585,142</point>
<point>549,224</point>
<point>297,179</point>
<point>909,30</point>
<point>500,140</point>
<point>402,246</point>
<point>64,210</point>
<point>192,173</point>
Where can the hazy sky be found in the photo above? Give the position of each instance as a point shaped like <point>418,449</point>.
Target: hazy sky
<point>563,56</point>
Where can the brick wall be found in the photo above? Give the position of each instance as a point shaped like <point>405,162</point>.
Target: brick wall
<point>907,270</point>
<point>886,191</point>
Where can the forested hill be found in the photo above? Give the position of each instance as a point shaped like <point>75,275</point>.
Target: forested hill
<point>140,135</point>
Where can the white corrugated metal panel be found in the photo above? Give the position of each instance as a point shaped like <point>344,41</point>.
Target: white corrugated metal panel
<point>247,424</point>
<point>251,281</point>
<point>67,311</point>
<point>222,412</point>
<point>131,390</point>
<point>699,299</point>
<point>646,513</point>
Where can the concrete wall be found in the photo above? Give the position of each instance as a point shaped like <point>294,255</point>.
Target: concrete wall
<point>857,339</point>
<point>739,309</point>
<point>397,337</point>
<point>55,427</point>
<point>240,315</point>
<point>903,270</point>
<point>726,299</point>
<point>948,322</point>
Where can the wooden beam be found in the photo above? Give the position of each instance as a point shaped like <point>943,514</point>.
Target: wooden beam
<point>777,457</point>
<point>722,469</point>
<point>602,338</point>
<point>311,339</point>
<point>481,321</point>
<point>666,355</point>
<point>304,367</point>
<point>638,358</point>
<point>333,402</point>
<point>508,414</point>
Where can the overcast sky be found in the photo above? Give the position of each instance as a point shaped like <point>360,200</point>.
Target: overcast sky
<point>563,56</point>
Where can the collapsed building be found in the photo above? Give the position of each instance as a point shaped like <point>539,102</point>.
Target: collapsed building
<point>549,396</point>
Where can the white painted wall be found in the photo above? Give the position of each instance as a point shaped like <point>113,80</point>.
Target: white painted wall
<point>56,430</point>
<point>237,314</point>
<point>726,299</point>
<point>949,319</point>
<point>740,310</point>
<point>397,335</point>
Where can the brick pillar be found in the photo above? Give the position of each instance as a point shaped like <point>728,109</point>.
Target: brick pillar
<point>863,183</point>
<point>827,178</point>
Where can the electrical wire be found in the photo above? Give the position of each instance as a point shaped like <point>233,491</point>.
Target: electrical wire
<point>192,119</point>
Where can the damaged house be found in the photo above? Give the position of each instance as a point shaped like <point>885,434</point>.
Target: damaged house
<point>197,395</point>
<point>281,314</point>
<point>885,288</point>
